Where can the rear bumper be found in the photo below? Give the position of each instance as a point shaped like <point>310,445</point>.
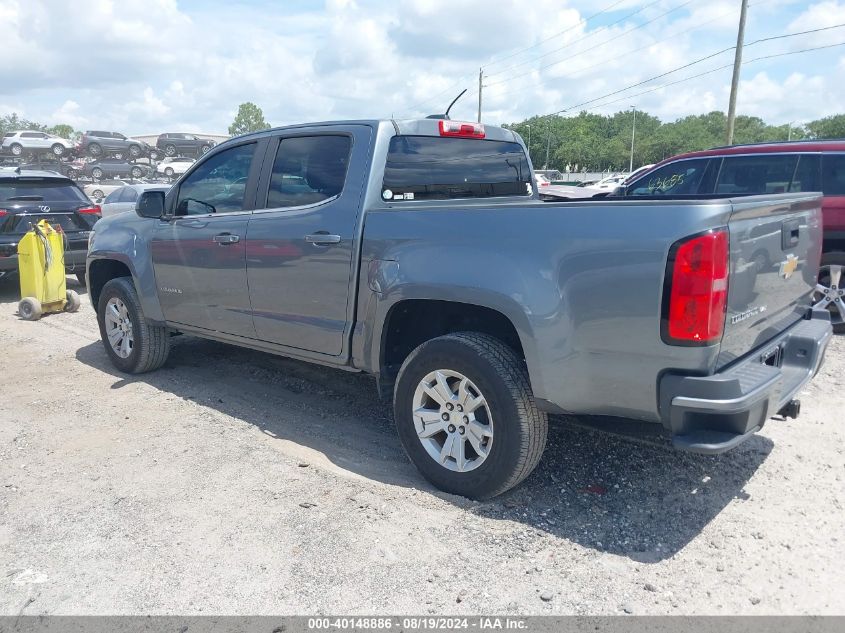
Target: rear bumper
<point>712,414</point>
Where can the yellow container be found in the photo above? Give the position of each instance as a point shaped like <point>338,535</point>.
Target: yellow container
<point>41,269</point>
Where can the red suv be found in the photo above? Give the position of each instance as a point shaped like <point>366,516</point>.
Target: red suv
<point>768,168</point>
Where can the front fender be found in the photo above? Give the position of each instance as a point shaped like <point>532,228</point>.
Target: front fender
<point>125,238</point>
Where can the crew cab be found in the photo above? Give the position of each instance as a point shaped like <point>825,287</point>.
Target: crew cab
<point>29,196</point>
<point>419,251</point>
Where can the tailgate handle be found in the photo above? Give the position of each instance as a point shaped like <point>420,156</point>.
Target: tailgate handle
<point>790,234</point>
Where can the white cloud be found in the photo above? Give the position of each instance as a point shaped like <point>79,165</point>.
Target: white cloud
<point>147,65</point>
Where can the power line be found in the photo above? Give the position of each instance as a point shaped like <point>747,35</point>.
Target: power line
<point>636,50</point>
<point>600,44</point>
<point>699,75</point>
<point>695,62</point>
<point>551,37</point>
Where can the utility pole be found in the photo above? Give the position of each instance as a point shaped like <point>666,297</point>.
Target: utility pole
<point>548,144</point>
<point>480,88</point>
<point>633,135</point>
<point>740,38</point>
<point>789,133</point>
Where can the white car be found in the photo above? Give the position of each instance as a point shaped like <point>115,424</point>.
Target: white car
<point>609,183</point>
<point>176,166</point>
<point>96,191</point>
<point>16,143</point>
<point>123,199</point>
<point>541,180</point>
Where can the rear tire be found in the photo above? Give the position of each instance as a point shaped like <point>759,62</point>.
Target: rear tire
<point>169,172</point>
<point>97,194</point>
<point>95,149</point>
<point>137,172</point>
<point>134,151</point>
<point>58,149</point>
<point>73,302</point>
<point>97,173</point>
<point>516,431</point>
<point>29,309</point>
<point>170,150</point>
<point>149,344</point>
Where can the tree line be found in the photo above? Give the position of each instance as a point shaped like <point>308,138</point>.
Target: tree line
<point>596,142</point>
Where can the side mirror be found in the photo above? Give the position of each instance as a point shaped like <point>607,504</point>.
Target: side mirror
<point>150,204</point>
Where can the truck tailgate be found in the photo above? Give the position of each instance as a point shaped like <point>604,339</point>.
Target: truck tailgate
<point>775,247</point>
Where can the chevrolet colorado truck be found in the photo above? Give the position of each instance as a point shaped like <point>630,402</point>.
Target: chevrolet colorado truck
<point>419,252</point>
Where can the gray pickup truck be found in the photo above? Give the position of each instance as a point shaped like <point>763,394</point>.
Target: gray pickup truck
<point>420,252</point>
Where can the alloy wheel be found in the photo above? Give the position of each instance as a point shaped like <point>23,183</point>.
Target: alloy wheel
<point>830,294</point>
<point>119,328</point>
<point>453,420</point>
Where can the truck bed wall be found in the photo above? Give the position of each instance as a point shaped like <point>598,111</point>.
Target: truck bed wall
<point>581,282</point>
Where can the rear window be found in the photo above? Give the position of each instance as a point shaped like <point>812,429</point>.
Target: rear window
<point>38,190</point>
<point>436,168</point>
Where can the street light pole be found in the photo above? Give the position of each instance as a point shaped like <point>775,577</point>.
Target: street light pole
<point>633,135</point>
<point>548,144</point>
<point>529,139</point>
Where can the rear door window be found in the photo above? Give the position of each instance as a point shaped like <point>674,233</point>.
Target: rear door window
<point>128,194</point>
<point>833,174</point>
<point>436,168</point>
<point>308,170</point>
<point>757,174</point>
<point>684,177</point>
<point>808,174</point>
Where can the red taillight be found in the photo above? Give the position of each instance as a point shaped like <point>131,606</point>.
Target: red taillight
<point>3,212</point>
<point>461,129</point>
<point>694,311</point>
<point>93,210</point>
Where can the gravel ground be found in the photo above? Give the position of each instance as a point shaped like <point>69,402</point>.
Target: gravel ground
<point>235,482</point>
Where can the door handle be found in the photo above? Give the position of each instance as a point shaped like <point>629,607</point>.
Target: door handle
<point>224,239</point>
<point>322,239</point>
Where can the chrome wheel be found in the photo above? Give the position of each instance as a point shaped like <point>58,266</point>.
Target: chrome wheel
<point>830,294</point>
<point>119,328</point>
<point>453,420</point>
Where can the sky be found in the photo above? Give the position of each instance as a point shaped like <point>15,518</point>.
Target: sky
<point>149,66</point>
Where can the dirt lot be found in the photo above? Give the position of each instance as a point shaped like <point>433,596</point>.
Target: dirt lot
<point>237,482</point>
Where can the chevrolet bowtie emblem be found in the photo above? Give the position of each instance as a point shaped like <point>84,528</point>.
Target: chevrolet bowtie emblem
<point>789,266</point>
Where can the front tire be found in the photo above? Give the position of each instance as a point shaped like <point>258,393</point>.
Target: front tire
<point>137,172</point>
<point>73,302</point>
<point>29,309</point>
<point>466,415</point>
<point>133,345</point>
<point>134,151</point>
<point>96,173</point>
<point>170,150</point>
<point>169,172</point>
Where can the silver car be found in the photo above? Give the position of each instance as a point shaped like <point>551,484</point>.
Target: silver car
<point>124,198</point>
<point>16,143</point>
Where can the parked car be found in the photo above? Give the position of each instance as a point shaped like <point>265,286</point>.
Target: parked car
<point>114,167</point>
<point>551,175</point>
<point>98,143</point>
<point>16,143</point>
<point>609,183</point>
<point>742,170</point>
<point>124,198</point>
<point>418,251</point>
<point>541,180</point>
<point>171,167</point>
<point>28,196</point>
<point>58,166</point>
<point>178,143</point>
<point>96,191</point>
